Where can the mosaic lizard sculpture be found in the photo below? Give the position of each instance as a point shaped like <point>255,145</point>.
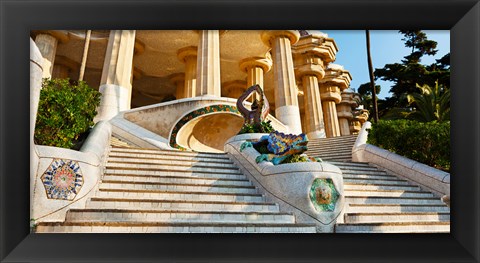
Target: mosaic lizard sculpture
<point>277,146</point>
<point>260,108</point>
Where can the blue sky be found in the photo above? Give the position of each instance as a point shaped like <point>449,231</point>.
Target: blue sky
<point>387,47</point>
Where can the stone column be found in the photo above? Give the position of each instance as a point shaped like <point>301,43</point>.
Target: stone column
<point>208,64</point>
<point>314,124</point>
<point>115,85</point>
<point>344,112</point>
<point>178,80</point>
<point>310,54</point>
<point>255,67</point>
<point>360,116</point>
<point>47,42</point>
<point>188,55</point>
<point>335,81</point>
<point>286,97</point>
<point>233,89</point>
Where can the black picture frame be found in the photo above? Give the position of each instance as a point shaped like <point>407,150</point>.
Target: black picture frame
<point>18,17</point>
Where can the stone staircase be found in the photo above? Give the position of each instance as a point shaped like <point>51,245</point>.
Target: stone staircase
<point>153,191</point>
<point>377,202</point>
<point>332,149</point>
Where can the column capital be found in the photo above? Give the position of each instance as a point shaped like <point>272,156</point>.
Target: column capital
<point>184,53</point>
<point>60,35</point>
<point>268,35</point>
<point>310,70</point>
<point>361,115</point>
<point>335,75</point>
<point>330,93</point>
<point>348,99</point>
<point>264,63</point>
<point>317,44</point>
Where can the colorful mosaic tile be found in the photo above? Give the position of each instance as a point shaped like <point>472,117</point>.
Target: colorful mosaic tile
<point>62,179</point>
<point>197,113</point>
<point>323,195</point>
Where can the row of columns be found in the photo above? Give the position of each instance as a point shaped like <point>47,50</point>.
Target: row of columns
<point>304,62</point>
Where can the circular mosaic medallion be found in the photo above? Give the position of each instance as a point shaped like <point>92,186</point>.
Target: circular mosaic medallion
<point>62,179</point>
<point>323,195</point>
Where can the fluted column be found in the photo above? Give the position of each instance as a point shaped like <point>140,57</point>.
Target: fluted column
<point>179,81</point>
<point>310,73</point>
<point>115,85</point>
<point>256,67</point>
<point>335,81</point>
<point>188,55</point>
<point>310,54</point>
<point>208,64</point>
<point>47,42</point>
<point>344,112</point>
<point>286,100</point>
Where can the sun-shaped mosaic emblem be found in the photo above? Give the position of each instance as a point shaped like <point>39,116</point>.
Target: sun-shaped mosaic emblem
<point>62,179</point>
<point>323,195</point>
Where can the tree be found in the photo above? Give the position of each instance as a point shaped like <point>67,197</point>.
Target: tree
<point>372,79</point>
<point>432,104</point>
<point>417,40</point>
<point>407,74</point>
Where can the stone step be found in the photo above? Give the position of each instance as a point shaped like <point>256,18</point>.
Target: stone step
<point>335,139</point>
<point>106,184</point>
<point>365,172</point>
<point>168,163</point>
<point>348,187</point>
<point>355,169</point>
<point>170,152</point>
<point>365,181</point>
<point>370,177</point>
<point>118,143</point>
<point>176,180</point>
<point>149,156</point>
<point>140,227</point>
<point>388,193</point>
<point>161,205</point>
<point>400,227</point>
<point>180,196</point>
<point>334,159</point>
<point>163,167</point>
<point>392,200</point>
<point>352,164</point>
<point>175,216</point>
<point>174,173</point>
<point>351,218</point>
<point>334,151</point>
<point>329,151</point>
<point>396,208</point>
<point>330,156</point>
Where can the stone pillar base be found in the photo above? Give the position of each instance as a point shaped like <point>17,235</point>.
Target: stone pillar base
<point>290,116</point>
<point>316,135</point>
<point>114,99</point>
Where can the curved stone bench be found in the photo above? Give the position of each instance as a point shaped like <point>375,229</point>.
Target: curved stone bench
<point>293,186</point>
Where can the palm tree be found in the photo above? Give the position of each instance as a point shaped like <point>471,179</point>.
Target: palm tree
<point>432,104</point>
<point>372,80</point>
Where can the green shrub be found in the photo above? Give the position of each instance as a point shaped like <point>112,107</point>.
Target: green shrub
<point>296,158</point>
<point>425,142</point>
<point>65,112</point>
<point>266,127</point>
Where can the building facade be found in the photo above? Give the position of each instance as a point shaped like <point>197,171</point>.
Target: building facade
<point>137,68</point>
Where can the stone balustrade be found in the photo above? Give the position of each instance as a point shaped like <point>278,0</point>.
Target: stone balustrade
<point>293,186</point>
